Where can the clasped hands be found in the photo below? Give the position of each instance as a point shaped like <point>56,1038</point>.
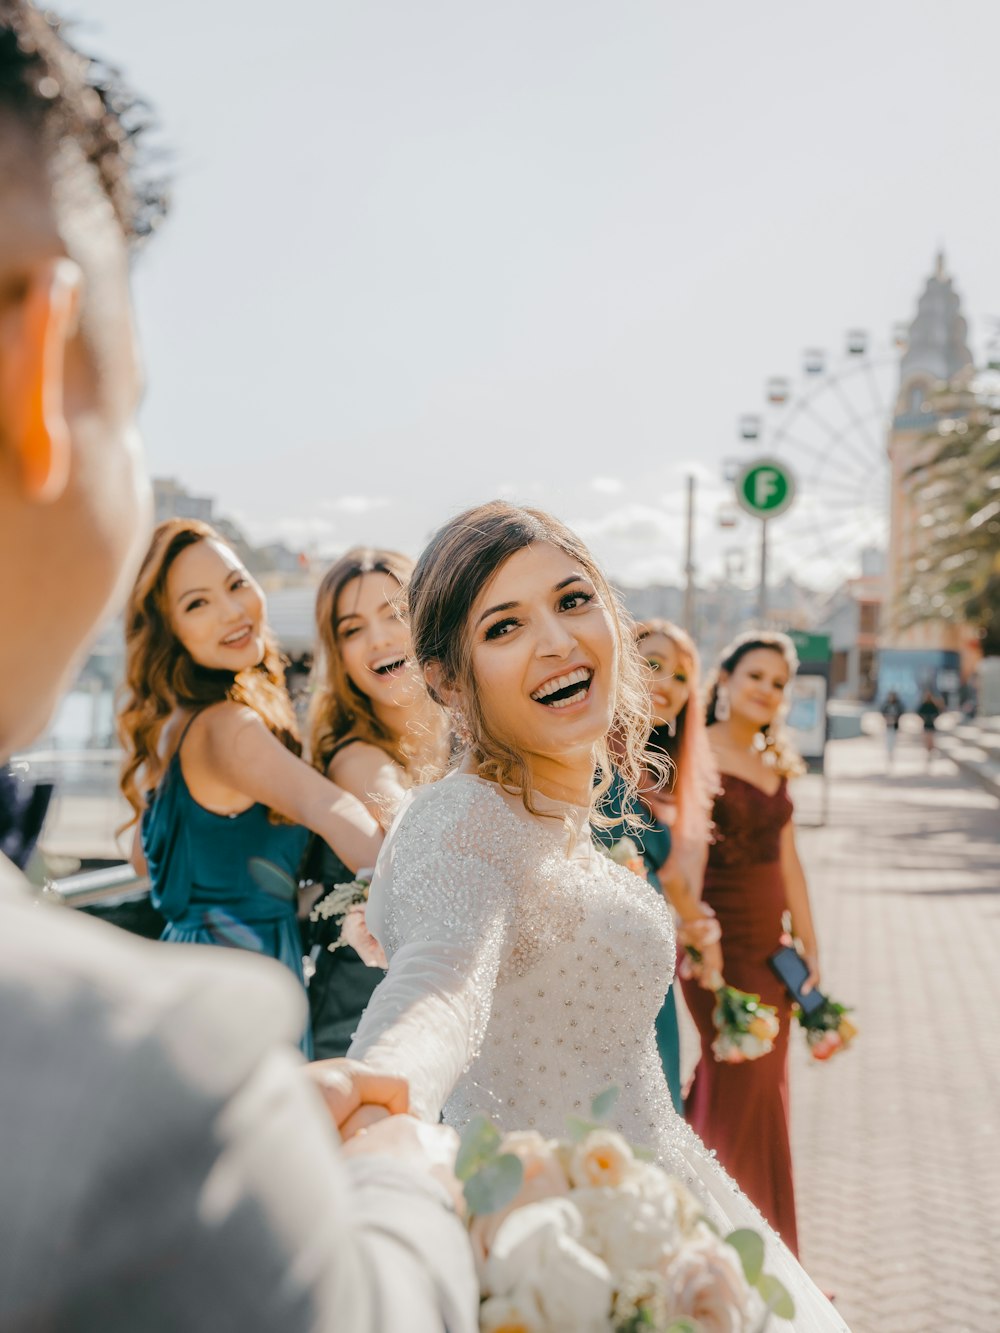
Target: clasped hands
<point>371,1112</point>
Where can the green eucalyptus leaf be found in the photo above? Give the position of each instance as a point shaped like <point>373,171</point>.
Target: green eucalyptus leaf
<point>272,879</point>
<point>776,1298</point>
<point>495,1184</point>
<point>604,1103</point>
<point>578,1128</point>
<point>750,1247</point>
<point>682,1326</point>
<point>480,1140</point>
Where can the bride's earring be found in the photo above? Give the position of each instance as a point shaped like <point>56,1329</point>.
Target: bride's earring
<point>722,704</point>
<point>461,728</point>
<point>672,726</point>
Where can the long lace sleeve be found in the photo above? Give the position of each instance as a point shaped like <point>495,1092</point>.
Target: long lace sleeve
<point>442,906</point>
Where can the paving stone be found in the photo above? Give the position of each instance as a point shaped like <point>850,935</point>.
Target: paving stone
<point>896,1140</point>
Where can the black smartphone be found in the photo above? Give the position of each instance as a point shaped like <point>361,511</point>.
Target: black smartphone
<point>791,970</point>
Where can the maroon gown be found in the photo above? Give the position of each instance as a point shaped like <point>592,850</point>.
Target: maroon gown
<point>742,1110</point>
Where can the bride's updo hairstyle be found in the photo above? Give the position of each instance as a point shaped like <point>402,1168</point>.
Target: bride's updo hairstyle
<point>454,568</point>
<point>777,748</point>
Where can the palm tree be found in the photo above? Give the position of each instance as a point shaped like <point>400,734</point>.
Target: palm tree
<point>956,573</point>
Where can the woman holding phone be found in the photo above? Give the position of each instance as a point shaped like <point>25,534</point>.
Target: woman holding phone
<point>752,879</point>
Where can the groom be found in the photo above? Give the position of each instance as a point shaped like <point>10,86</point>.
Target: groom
<point>165,1162</point>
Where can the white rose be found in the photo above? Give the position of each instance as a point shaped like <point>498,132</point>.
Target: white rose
<point>537,1252</point>
<point>602,1158</point>
<point>627,1229</point>
<point>517,1313</point>
<point>707,1284</point>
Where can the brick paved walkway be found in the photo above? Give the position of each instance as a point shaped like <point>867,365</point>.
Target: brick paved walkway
<point>897,1142</point>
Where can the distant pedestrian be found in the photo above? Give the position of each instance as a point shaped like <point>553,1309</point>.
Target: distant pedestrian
<point>929,710</point>
<point>892,711</point>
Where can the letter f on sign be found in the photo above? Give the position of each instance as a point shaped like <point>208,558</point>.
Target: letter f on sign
<point>765,484</point>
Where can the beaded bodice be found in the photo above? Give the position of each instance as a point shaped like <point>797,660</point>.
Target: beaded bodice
<point>525,972</point>
<point>565,957</point>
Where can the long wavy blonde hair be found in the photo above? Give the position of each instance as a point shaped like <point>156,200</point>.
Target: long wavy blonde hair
<point>161,676</point>
<point>778,751</point>
<point>338,708</point>
<point>450,574</point>
<point>695,780</point>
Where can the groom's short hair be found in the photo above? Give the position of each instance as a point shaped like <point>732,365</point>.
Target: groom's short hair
<point>52,94</point>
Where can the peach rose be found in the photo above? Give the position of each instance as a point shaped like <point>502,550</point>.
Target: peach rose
<point>602,1158</point>
<point>517,1313</point>
<point>707,1285</point>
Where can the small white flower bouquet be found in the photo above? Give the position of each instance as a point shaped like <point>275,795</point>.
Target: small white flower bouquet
<point>336,905</point>
<point>586,1233</point>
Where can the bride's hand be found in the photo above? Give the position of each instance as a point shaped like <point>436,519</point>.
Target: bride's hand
<point>354,931</point>
<point>350,1088</point>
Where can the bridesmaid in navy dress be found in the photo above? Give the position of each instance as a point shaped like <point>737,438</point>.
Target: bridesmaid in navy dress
<point>212,767</point>
<point>373,730</point>
<point>753,877</point>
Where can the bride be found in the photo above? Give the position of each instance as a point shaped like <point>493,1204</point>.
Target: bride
<point>522,961</point>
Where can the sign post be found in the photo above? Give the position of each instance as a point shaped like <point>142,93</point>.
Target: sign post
<point>764,489</point>
<point>807,715</point>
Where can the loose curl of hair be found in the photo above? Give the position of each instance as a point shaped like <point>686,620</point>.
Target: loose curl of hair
<point>778,751</point>
<point>338,708</point>
<point>161,676</point>
<point>455,567</point>
<point>686,746</point>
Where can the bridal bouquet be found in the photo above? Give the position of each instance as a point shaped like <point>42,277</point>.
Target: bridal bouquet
<point>585,1233</point>
<point>746,1026</point>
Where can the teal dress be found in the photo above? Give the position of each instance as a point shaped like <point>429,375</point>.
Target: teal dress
<point>200,875</point>
<point>653,839</point>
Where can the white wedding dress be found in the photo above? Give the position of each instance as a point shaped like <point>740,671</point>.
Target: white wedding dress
<point>525,973</point>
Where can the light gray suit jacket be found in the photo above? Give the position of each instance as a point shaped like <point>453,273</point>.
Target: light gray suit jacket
<point>165,1166</point>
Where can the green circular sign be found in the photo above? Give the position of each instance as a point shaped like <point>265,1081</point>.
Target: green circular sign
<point>765,488</point>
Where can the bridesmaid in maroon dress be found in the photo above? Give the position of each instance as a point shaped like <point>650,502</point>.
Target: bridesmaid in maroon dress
<point>753,876</point>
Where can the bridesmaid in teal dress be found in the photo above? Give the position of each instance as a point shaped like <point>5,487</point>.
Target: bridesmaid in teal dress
<point>212,760</point>
<point>373,730</point>
<point>674,837</point>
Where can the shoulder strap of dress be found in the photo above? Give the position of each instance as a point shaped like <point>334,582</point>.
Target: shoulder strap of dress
<point>187,727</point>
<point>342,745</point>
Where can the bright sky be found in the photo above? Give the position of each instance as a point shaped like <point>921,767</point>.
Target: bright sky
<point>426,253</point>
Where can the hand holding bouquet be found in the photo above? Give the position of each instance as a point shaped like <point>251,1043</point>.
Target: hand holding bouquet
<point>828,1029</point>
<point>583,1233</point>
<point>345,906</point>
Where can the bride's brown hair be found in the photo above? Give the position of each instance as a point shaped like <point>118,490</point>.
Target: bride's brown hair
<point>162,676</point>
<point>452,571</point>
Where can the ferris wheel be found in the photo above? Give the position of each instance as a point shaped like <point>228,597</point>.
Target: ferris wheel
<point>829,426</point>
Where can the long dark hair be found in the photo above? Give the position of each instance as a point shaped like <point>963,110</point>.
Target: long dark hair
<point>778,749</point>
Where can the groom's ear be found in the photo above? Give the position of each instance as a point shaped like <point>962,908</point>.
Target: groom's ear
<point>36,325</point>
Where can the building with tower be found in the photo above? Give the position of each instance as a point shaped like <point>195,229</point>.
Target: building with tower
<point>928,653</point>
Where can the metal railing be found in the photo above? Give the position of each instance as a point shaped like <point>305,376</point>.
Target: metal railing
<point>109,886</point>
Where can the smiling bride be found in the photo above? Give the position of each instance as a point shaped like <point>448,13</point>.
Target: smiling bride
<point>526,969</point>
